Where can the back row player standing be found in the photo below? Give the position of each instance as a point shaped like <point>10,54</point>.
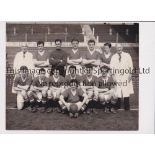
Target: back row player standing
<point>43,59</point>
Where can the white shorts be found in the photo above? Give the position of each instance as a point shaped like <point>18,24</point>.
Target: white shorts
<point>79,105</point>
<point>55,93</point>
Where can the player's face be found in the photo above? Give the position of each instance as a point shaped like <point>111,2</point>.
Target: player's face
<point>23,73</point>
<point>40,47</point>
<point>56,73</point>
<point>24,49</point>
<point>58,44</point>
<point>91,46</point>
<point>107,49</point>
<point>73,85</point>
<point>75,44</point>
<point>119,48</point>
<point>89,71</point>
<point>104,72</point>
<point>72,71</point>
<point>42,75</point>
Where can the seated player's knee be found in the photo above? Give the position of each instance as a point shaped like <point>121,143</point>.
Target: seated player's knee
<point>107,98</point>
<point>58,93</point>
<point>39,96</point>
<point>44,93</point>
<point>101,97</point>
<point>62,90</point>
<point>90,94</point>
<point>20,102</point>
<point>23,93</point>
<point>95,95</point>
<point>30,96</point>
<point>29,93</point>
<point>49,94</point>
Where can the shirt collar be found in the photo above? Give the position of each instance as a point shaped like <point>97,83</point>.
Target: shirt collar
<point>74,51</point>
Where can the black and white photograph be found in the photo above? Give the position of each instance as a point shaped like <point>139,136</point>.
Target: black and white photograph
<point>72,76</point>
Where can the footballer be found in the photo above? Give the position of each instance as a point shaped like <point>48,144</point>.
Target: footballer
<point>92,57</point>
<point>56,87</point>
<point>89,86</point>
<point>73,99</point>
<point>106,90</point>
<point>75,57</point>
<point>72,75</point>
<point>39,89</point>
<point>41,58</point>
<point>21,87</point>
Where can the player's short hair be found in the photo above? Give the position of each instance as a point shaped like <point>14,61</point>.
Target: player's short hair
<point>56,68</point>
<point>108,44</point>
<point>40,42</point>
<point>91,41</point>
<point>89,66</point>
<point>23,68</point>
<point>42,70</point>
<point>72,67</point>
<point>58,40</point>
<point>74,81</point>
<point>105,68</point>
<point>74,39</point>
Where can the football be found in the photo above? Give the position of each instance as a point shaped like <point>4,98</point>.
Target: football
<point>73,108</point>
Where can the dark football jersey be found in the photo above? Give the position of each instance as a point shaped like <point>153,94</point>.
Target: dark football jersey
<point>86,82</point>
<point>70,97</point>
<point>76,55</point>
<point>87,55</point>
<point>40,83</point>
<point>60,82</point>
<point>105,83</point>
<point>22,81</point>
<point>104,59</point>
<point>68,78</point>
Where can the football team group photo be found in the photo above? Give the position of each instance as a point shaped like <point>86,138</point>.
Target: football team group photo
<point>77,76</point>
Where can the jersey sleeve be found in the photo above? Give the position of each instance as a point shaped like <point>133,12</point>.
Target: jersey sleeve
<point>35,55</point>
<point>95,81</point>
<point>65,93</point>
<point>64,59</point>
<point>29,81</point>
<point>62,82</point>
<point>15,82</point>
<point>49,82</point>
<point>52,60</point>
<point>34,82</point>
<point>112,62</point>
<point>98,82</point>
<point>84,55</point>
<point>80,92</point>
<point>79,79</point>
<point>98,57</point>
<point>101,57</point>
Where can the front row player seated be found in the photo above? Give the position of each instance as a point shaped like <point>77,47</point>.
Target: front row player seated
<point>89,86</point>
<point>56,87</point>
<point>21,86</point>
<point>39,89</point>
<point>72,75</point>
<point>73,99</point>
<point>106,90</point>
